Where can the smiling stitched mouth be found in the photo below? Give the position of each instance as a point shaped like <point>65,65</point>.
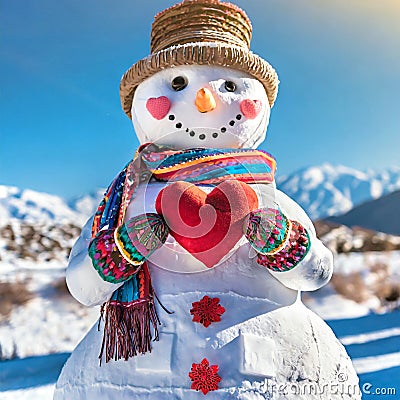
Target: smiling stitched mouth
<point>202,136</point>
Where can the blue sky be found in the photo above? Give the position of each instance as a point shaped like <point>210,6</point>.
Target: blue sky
<point>62,129</point>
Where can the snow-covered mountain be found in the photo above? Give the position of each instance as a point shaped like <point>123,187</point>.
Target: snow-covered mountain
<point>86,205</point>
<point>327,190</point>
<point>37,207</point>
<point>40,227</point>
<point>32,206</point>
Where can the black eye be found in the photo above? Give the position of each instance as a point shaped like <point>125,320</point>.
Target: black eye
<point>230,86</point>
<point>179,83</point>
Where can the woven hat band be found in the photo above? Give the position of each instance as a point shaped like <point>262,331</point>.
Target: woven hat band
<point>201,21</point>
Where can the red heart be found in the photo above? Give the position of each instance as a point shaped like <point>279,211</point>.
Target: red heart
<point>207,226</point>
<point>250,108</point>
<point>158,107</point>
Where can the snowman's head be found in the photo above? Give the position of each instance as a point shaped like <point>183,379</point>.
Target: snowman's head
<point>201,106</point>
<point>201,86</point>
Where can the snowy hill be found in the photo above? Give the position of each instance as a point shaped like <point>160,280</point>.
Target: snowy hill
<point>87,204</point>
<point>39,227</point>
<point>37,207</point>
<point>31,206</point>
<point>327,190</point>
<point>380,215</point>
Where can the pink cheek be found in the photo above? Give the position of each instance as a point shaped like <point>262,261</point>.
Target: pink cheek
<point>251,108</point>
<point>158,107</point>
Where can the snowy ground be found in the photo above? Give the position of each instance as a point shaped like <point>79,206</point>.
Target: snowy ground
<point>52,321</point>
<point>44,331</point>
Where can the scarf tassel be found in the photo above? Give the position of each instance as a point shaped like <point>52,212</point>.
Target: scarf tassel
<point>128,329</point>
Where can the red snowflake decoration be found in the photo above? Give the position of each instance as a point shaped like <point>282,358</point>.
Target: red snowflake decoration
<point>207,310</point>
<point>204,377</point>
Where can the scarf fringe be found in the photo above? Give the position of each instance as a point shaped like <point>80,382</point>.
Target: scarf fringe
<point>127,329</point>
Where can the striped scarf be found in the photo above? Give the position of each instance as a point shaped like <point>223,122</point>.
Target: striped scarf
<point>130,312</point>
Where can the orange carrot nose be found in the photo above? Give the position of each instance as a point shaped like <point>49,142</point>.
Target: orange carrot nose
<point>205,100</point>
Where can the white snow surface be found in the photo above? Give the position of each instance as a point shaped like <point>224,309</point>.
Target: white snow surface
<point>52,321</point>
<point>367,337</point>
<point>35,393</point>
<point>377,363</point>
<point>331,305</point>
<point>347,263</point>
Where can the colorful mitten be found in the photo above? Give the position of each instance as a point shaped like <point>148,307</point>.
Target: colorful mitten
<point>117,254</point>
<point>280,243</point>
<point>294,251</point>
<point>141,236</point>
<point>267,230</point>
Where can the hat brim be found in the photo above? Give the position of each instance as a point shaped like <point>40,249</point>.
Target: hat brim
<point>202,53</point>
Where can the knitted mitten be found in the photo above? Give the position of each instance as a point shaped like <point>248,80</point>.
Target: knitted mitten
<point>280,243</point>
<point>117,254</point>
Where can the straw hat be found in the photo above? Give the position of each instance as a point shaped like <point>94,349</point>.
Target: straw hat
<point>201,32</point>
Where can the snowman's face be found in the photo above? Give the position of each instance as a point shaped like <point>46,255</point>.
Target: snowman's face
<point>201,106</point>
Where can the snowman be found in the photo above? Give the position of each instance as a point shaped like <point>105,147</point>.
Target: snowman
<point>197,259</point>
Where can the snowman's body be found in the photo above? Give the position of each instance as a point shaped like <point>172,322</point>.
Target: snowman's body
<point>267,344</point>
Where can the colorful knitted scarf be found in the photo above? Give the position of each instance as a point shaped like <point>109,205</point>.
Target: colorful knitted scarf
<point>130,312</point>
